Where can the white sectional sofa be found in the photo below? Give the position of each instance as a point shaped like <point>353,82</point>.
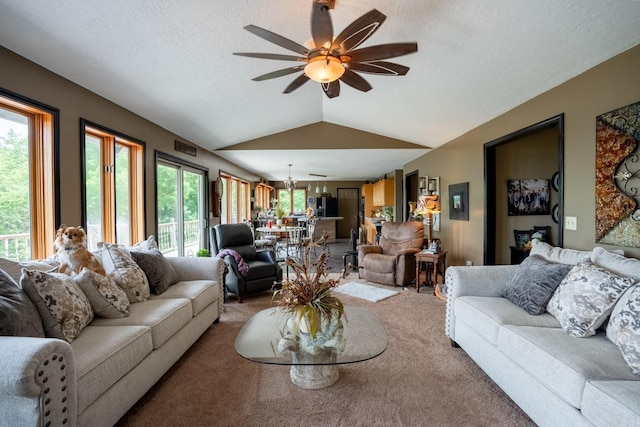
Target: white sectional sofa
<point>556,378</point>
<point>113,362</point>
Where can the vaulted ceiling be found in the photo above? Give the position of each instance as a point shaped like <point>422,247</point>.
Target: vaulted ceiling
<point>172,62</point>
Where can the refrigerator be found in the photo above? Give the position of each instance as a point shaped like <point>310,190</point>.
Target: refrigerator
<point>327,206</point>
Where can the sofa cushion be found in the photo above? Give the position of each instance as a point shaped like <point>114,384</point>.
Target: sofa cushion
<point>165,317</point>
<point>531,287</point>
<point>624,327</point>
<point>159,272</point>
<point>561,362</point>
<point>103,354</point>
<point>107,299</point>
<point>615,263</point>
<point>201,293</point>
<point>124,271</point>
<point>485,315</point>
<point>19,317</point>
<point>612,403</point>
<point>63,307</point>
<point>585,298</point>
<point>556,254</point>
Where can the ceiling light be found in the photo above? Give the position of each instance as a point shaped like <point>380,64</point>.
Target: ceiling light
<point>324,69</point>
<point>290,183</point>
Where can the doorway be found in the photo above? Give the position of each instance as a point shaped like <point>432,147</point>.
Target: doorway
<point>181,195</point>
<point>348,203</point>
<point>411,191</point>
<point>497,229</point>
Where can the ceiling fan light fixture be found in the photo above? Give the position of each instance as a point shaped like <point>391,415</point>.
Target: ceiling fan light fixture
<point>324,69</point>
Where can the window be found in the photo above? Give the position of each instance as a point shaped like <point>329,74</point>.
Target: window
<point>263,196</point>
<point>113,186</point>
<point>28,143</point>
<point>181,206</point>
<point>235,200</point>
<point>293,201</point>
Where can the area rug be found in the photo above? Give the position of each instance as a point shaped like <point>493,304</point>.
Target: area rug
<point>370,293</point>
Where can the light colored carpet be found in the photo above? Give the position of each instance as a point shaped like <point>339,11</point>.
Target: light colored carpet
<point>420,380</point>
<point>365,291</point>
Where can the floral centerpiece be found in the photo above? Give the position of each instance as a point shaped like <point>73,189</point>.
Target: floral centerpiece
<point>308,297</point>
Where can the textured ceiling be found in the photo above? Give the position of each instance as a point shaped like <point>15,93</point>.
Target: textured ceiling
<point>171,62</point>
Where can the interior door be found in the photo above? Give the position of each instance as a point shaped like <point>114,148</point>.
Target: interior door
<point>348,202</point>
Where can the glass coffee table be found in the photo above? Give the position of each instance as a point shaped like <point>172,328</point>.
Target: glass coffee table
<point>264,339</point>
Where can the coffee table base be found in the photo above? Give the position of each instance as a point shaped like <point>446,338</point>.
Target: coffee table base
<point>314,376</point>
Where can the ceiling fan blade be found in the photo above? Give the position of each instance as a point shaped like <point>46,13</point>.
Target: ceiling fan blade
<point>358,31</point>
<point>355,81</point>
<point>270,56</point>
<point>331,89</point>
<point>383,51</point>
<point>278,73</point>
<point>321,26</point>
<point>277,39</point>
<point>379,67</point>
<point>299,81</point>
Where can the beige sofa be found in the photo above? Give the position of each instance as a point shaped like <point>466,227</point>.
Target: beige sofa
<point>556,378</point>
<point>113,362</point>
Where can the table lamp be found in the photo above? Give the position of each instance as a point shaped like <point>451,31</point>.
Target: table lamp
<point>428,204</point>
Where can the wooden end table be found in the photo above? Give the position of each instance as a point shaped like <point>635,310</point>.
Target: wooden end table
<point>436,262</point>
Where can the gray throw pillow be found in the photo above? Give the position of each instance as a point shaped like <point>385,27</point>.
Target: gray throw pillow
<point>160,273</point>
<point>106,297</point>
<point>534,282</point>
<point>18,316</point>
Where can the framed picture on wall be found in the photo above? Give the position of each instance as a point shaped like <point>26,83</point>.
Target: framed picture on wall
<point>459,201</point>
<point>528,197</point>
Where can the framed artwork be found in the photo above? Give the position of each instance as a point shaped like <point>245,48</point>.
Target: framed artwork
<point>618,177</point>
<point>522,237</point>
<point>459,201</point>
<point>528,197</point>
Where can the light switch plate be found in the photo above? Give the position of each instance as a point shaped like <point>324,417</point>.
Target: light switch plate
<point>570,223</point>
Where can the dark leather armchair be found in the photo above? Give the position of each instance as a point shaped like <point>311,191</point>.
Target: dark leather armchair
<point>392,261</point>
<point>263,267</point>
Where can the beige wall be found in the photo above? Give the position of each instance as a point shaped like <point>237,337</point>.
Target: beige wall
<point>24,78</point>
<point>610,85</point>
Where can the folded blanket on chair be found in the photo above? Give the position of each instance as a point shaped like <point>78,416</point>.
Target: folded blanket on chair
<point>243,267</point>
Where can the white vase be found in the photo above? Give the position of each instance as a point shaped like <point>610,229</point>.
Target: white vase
<point>278,222</point>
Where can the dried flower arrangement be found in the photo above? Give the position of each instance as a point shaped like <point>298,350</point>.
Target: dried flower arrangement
<point>308,296</point>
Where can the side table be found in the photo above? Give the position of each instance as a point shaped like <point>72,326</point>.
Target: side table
<point>436,263</point>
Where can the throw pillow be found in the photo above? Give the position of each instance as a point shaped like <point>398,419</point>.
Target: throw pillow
<point>535,280</point>
<point>624,329</point>
<point>585,297</point>
<point>125,272</point>
<point>18,316</point>
<point>558,255</point>
<point>14,268</point>
<point>64,309</point>
<point>106,297</point>
<point>159,272</point>
<point>616,263</point>
<point>146,245</point>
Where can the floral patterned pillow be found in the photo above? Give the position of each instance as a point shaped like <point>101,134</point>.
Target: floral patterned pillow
<point>125,272</point>
<point>585,297</point>
<point>64,309</point>
<point>624,327</point>
<point>107,299</point>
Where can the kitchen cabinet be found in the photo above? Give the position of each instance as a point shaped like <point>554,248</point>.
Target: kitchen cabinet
<point>367,197</point>
<point>384,193</point>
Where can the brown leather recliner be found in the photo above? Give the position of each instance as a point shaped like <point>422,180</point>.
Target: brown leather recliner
<point>393,261</point>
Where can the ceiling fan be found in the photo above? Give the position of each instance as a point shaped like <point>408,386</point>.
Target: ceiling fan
<point>332,60</point>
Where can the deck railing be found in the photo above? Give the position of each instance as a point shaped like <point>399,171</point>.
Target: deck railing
<point>17,247</point>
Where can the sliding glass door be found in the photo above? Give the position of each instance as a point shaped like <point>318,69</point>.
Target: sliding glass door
<point>180,192</point>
